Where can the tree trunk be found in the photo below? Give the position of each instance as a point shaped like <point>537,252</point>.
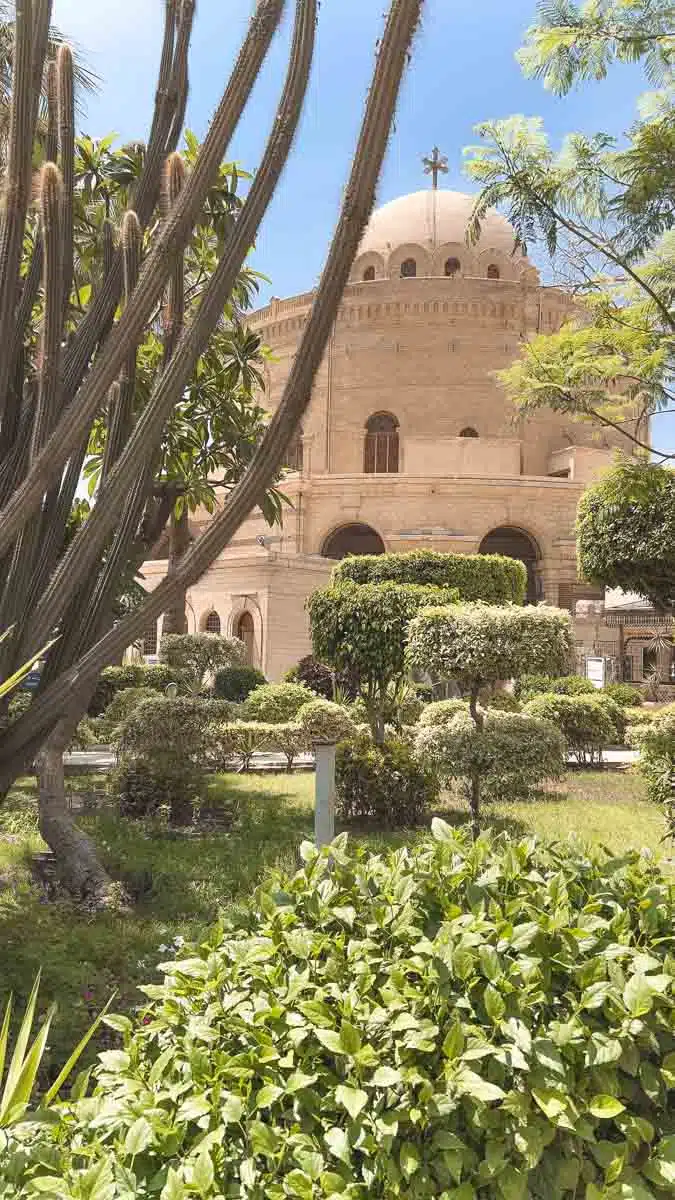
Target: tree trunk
<point>75,856</point>
<point>175,617</point>
<point>474,805</point>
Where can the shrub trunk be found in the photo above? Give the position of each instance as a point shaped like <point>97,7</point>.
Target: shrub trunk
<point>76,859</point>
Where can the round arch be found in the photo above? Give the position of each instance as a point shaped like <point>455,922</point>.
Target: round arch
<point>210,622</point>
<point>245,622</point>
<point>517,543</point>
<point>355,538</point>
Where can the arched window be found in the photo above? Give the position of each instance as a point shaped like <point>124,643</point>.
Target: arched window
<point>245,631</point>
<point>294,452</point>
<point>515,543</point>
<point>368,274</point>
<point>212,623</point>
<point>149,639</point>
<point>408,268</point>
<point>493,271</point>
<point>352,539</point>
<point>452,266</point>
<point>469,432</point>
<point>380,453</point>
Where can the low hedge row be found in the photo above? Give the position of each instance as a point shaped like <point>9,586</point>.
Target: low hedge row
<point>492,578</point>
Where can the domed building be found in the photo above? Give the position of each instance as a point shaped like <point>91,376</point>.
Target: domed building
<point>408,440</point>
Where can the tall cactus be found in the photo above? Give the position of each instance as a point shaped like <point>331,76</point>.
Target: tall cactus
<point>48,405</point>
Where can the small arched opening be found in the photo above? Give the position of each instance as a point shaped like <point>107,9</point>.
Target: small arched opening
<point>381,446</point>
<point>212,622</point>
<point>352,539</point>
<point>294,452</point>
<point>493,271</point>
<point>369,275</point>
<point>452,267</point>
<point>245,631</point>
<point>469,432</point>
<point>515,543</point>
<point>408,268</point>
<point>149,640</point>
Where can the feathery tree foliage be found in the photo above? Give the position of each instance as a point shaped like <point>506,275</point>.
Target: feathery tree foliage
<point>53,391</point>
<point>604,210</point>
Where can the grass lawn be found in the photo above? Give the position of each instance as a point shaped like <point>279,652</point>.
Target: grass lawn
<point>184,881</point>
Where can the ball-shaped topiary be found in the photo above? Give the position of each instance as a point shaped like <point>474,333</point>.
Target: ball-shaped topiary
<point>386,784</point>
<point>624,694</point>
<point>236,683</point>
<point>441,1020</point>
<point>584,721</point>
<point>277,702</point>
<point>322,721</point>
<point>655,739</point>
<point>440,712</point>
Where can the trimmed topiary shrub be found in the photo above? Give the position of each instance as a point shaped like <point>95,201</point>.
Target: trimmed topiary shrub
<point>236,683</point>
<point>290,740</point>
<point>238,741</point>
<point>448,1020</point>
<point>120,708</point>
<point>361,629</point>
<point>200,654</point>
<point>617,715</point>
<point>319,678</point>
<point>383,784</point>
<point>146,787</point>
<point>584,722</point>
<point>509,753</point>
<point>135,675</point>
<point>492,578</point>
<point>505,702</point>
<point>478,645</point>
<point>442,711</point>
<point>623,694</point>
<point>323,721</point>
<point>277,702</point>
<point>529,686</point>
<point>166,739</point>
<point>655,739</point>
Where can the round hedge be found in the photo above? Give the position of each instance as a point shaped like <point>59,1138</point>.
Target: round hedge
<point>448,1020</point>
<point>236,683</point>
<point>323,721</point>
<point>385,784</point>
<point>440,712</point>
<point>493,578</point>
<point>272,702</point>
<point>584,721</point>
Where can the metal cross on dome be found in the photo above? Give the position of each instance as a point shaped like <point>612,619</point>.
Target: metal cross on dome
<point>434,165</point>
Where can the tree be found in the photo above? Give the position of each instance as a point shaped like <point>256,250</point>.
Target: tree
<point>604,211</point>
<point>200,654</point>
<point>479,644</point>
<point>626,532</point>
<point>361,629</point>
<point>52,393</point>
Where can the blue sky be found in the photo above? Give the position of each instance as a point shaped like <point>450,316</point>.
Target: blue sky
<point>463,71</point>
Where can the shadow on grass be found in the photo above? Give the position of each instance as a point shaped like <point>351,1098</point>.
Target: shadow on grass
<point>454,813</point>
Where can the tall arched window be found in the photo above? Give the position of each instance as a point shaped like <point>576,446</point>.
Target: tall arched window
<point>212,623</point>
<point>380,454</point>
<point>408,268</point>
<point>452,266</point>
<point>352,539</point>
<point>469,432</point>
<point>245,631</point>
<point>368,274</point>
<point>493,271</point>
<point>294,452</point>
<point>149,639</point>
<point>515,543</point>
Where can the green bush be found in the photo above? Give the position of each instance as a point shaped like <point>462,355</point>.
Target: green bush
<point>135,675</point>
<point>493,578</point>
<point>240,740</point>
<point>448,1020</point>
<point>655,739</point>
<point>442,711</point>
<point>509,754</point>
<point>616,713</point>
<point>324,721</point>
<point>120,708</point>
<point>321,679</point>
<point>146,787</point>
<point>584,722</point>
<point>290,740</point>
<point>236,683</point>
<point>505,702</point>
<point>529,686</point>
<point>624,694</point>
<point>386,784</point>
<point>200,654</point>
<point>274,703</point>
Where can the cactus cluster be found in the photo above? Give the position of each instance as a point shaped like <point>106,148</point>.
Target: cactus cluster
<point>53,388</point>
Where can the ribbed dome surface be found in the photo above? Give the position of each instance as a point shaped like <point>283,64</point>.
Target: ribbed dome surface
<point>432,218</point>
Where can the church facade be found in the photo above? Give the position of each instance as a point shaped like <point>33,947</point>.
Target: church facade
<point>408,440</point>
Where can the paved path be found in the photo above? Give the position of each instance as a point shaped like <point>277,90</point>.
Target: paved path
<point>104,760</point>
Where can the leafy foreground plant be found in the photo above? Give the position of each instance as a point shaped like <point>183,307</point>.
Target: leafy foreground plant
<point>459,1020</point>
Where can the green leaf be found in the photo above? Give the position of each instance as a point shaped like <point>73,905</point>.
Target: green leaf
<point>267,1095</point>
<point>298,1080</point>
<point>386,1077</point>
<point>139,1136</point>
<point>409,1159</point>
<point>551,1103</point>
<point>454,1040</point>
<point>494,1004</point>
<point>173,1188</point>
<point>478,1088</point>
<point>338,1143</point>
<point>353,1099</point>
<point>263,1139</point>
<point>638,995</point>
<point>489,962</point>
<point>202,1172</point>
<point>331,1040</point>
<point>350,1039</point>
<point>232,1109</point>
<point>523,935</point>
<point>441,831</point>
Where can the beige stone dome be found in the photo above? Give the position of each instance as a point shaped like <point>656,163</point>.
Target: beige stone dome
<point>432,218</point>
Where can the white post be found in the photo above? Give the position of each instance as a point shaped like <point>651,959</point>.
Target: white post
<point>324,807</point>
